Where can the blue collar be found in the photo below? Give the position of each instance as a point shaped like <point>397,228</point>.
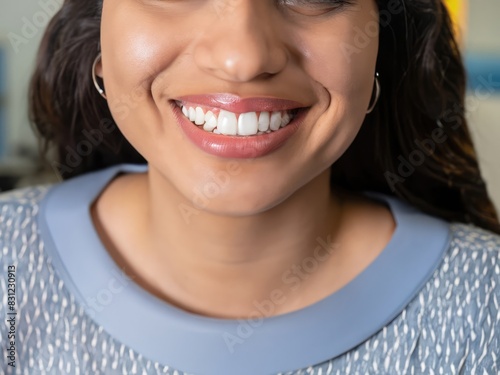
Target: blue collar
<point>208,346</point>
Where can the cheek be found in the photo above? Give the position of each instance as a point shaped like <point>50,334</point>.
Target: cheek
<point>129,50</point>
<point>133,56</point>
<point>343,58</point>
<point>137,45</point>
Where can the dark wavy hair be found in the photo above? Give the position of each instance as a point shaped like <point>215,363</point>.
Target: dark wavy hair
<point>415,144</point>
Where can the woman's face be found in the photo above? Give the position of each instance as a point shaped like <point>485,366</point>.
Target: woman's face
<point>234,57</point>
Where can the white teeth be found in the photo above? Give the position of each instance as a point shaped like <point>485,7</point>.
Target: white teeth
<point>200,116</point>
<point>285,119</point>
<point>209,115</point>
<point>192,114</point>
<point>275,121</point>
<point>264,120</point>
<point>211,123</point>
<point>248,124</point>
<point>227,123</point>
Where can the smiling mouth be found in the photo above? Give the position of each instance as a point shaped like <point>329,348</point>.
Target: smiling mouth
<point>220,121</point>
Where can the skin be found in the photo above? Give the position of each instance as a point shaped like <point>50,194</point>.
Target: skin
<point>248,239</point>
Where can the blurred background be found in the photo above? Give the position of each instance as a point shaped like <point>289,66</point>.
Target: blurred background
<point>21,28</point>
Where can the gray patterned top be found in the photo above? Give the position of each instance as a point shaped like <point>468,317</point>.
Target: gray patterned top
<point>451,326</point>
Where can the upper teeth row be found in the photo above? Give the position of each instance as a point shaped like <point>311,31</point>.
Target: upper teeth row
<point>228,123</point>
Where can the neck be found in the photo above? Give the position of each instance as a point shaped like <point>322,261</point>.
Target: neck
<point>221,265</point>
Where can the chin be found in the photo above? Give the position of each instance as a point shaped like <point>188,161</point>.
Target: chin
<point>237,204</point>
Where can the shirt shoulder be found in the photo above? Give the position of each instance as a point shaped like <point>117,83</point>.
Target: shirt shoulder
<point>26,196</point>
<point>462,299</point>
<point>18,214</point>
<point>452,324</point>
<point>472,234</point>
<point>471,269</point>
<point>476,249</point>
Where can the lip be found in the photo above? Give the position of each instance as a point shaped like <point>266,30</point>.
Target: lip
<point>235,104</point>
<point>237,147</point>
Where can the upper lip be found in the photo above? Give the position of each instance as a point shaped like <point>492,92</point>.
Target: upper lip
<point>236,104</point>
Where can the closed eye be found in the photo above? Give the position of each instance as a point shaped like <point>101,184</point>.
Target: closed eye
<point>312,7</point>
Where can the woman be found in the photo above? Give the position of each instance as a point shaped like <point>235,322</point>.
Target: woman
<point>311,202</point>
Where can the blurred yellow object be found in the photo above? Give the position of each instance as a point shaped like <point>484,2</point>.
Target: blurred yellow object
<point>458,10</point>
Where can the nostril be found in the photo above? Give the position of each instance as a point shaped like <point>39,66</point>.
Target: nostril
<point>265,76</point>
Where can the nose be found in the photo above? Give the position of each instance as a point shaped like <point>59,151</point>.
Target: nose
<point>242,43</point>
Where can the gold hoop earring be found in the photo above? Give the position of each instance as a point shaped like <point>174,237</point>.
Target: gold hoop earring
<point>377,94</point>
<point>94,77</point>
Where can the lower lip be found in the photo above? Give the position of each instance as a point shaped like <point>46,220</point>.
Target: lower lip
<point>238,147</point>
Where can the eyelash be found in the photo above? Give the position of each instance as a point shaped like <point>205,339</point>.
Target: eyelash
<point>322,6</point>
<point>316,3</point>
